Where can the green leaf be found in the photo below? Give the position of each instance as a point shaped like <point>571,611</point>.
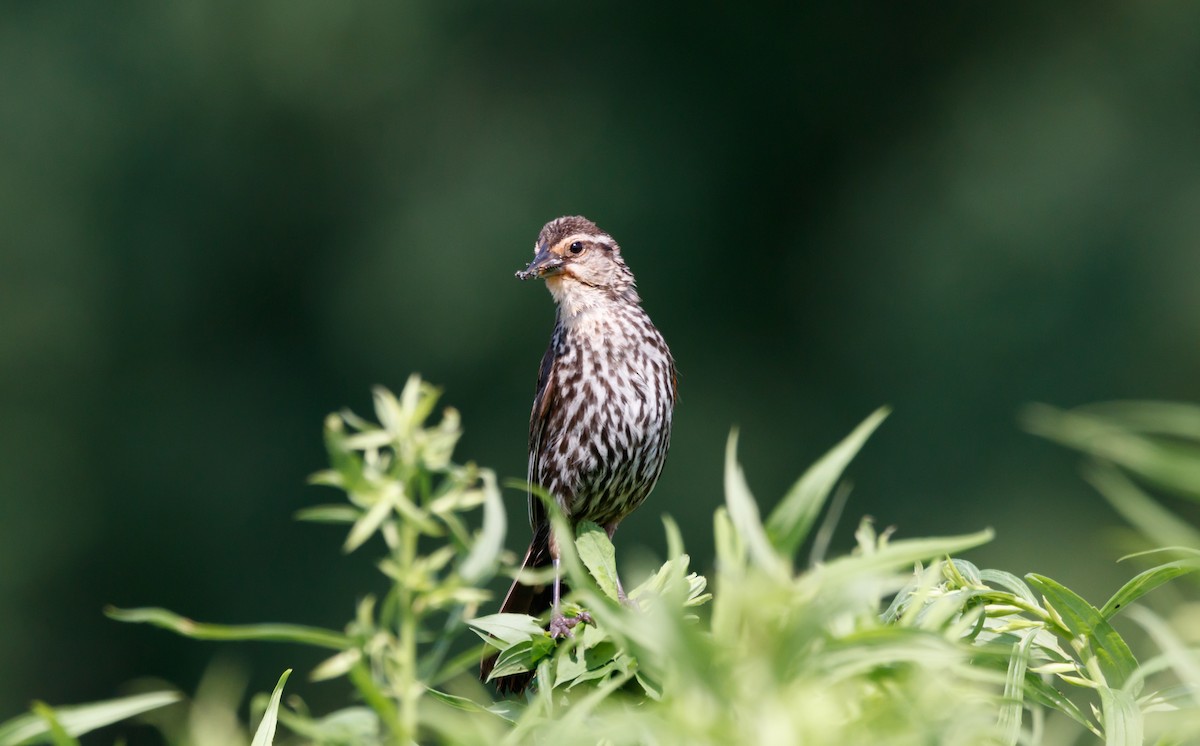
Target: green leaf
<point>1014,690</point>
<point>894,555</point>
<point>730,549</point>
<point>522,656</point>
<point>674,537</point>
<point>1175,651</point>
<point>1146,581</point>
<point>1037,690</point>
<point>1168,464</point>
<point>1121,717</point>
<point>58,734</point>
<point>322,638</point>
<point>1009,582</point>
<point>1085,623</point>
<point>265,735</point>
<point>350,725</point>
<point>1154,417</point>
<point>507,628</point>
<point>480,562</point>
<point>1160,525</point>
<point>597,554</point>
<point>370,521</point>
<point>336,665</point>
<point>77,720</point>
<point>743,513</point>
<point>339,513</point>
<point>792,519</point>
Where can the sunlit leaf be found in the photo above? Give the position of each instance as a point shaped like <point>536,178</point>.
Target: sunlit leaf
<point>792,519</point>
<point>265,735</point>
<point>77,720</point>
<point>1085,623</point>
<point>1146,581</point>
<point>597,554</point>
<point>329,514</point>
<point>480,562</point>
<point>743,513</point>
<point>1121,717</point>
<point>506,628</point>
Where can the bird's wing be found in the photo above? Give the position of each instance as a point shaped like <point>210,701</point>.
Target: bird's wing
<point>545,401</point>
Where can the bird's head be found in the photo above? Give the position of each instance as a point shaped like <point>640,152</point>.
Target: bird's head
<point>572,254</point>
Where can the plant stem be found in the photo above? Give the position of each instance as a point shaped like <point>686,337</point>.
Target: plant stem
<point>409,688</point>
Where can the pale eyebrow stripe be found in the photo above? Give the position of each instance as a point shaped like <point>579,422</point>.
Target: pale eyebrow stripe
<point>592,237</point>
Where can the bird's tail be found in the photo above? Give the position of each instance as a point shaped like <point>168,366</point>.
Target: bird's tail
<point>533,600</point>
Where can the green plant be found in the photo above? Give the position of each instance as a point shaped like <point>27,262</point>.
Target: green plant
<point>897,642</point>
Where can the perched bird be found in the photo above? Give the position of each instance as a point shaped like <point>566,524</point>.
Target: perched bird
<point>601,420</point>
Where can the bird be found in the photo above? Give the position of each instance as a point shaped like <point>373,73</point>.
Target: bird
<point>600,426</point>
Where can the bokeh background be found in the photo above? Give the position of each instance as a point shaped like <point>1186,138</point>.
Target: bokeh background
<point>220,221</point>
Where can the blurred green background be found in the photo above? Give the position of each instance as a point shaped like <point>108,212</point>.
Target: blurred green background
<point>220,221</point>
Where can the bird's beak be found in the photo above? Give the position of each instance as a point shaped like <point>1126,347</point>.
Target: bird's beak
<point>545,263</point>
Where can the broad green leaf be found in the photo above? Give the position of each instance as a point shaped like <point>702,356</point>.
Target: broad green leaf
<point>1146,581</point>
<point>522,656</point>
<point>265,735</point>
<point>792,519</point>
<point>507,628</point>
<point>77,720</point>
<point>515,658</point>
<point>322,638</point>
<point>597,554</point>
<point>1085,622</point>
<point>743,513</point>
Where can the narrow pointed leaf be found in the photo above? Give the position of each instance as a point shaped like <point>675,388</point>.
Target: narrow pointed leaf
<point>265,735</point>
<point>1121,716</point>
<point>1146,581</point>
<point>790,522</point>
<point>480,562</point>
<point>77,720</point>
<point>743,513</point>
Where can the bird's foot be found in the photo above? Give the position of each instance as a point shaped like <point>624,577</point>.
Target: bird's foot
<point>626,601</point>
<point>564,626</point>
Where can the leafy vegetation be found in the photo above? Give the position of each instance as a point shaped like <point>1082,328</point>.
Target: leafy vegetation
<point>900,641</point>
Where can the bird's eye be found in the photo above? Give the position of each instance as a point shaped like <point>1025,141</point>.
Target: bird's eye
<point>576,247</point>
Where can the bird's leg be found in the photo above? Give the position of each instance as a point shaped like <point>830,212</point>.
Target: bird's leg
<point>561,626</point>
